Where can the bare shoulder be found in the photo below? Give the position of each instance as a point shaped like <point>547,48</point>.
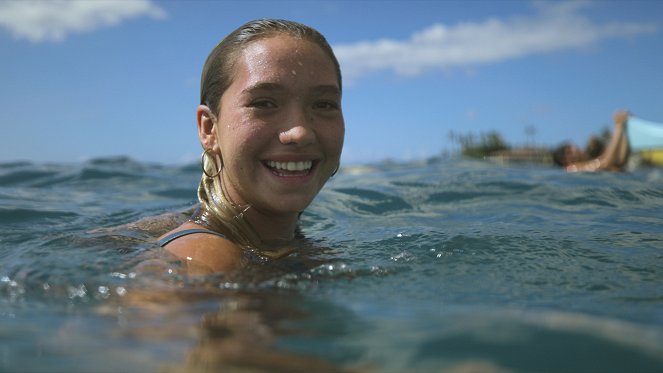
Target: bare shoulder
<point>205,252</point>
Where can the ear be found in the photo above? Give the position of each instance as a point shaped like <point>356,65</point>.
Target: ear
<point>206,127</point>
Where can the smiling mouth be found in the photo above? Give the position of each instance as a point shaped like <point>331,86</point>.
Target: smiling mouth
<point>301,168</point>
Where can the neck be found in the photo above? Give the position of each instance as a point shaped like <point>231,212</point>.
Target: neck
<point>272,229</point>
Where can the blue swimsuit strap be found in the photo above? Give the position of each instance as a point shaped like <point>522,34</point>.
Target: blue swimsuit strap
<point>173,236</point>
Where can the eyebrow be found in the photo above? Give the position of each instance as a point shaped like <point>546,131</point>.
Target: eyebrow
<point>275,87</point>
<point>264,87</point>
<point>333,89</point>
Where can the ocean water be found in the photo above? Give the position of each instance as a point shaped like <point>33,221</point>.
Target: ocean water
<point>439,266</point>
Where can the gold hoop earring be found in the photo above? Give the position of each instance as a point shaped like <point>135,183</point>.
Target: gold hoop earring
<point>206,153</point>
<point>335,170</point>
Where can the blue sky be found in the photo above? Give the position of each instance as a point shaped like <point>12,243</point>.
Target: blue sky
<point>86,79</point>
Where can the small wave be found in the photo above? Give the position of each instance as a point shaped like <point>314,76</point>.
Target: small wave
<point>95,174</point>
<point>177,193</point>
<point>4,165</point>
<point>509,186</point>
<point>550,339</point>
<point>456,196</point>
<point>119,161</point>
<point>25,177</point>
<point>20,215</point>
<point>49,175</point>
<point>374,202</point>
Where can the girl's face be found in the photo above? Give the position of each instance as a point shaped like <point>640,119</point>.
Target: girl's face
<point>280,126</point>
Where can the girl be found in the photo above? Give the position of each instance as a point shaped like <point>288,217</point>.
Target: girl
<point>271,126</point>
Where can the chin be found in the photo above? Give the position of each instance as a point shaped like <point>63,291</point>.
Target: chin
<point>294,205</point>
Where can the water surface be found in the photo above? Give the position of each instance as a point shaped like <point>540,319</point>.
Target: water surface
<point>440,266</point>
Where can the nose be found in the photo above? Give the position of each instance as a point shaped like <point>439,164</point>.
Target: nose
<point>298,135</point>
<point>300,131</point>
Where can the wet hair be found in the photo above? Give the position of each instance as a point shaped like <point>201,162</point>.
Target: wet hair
<point>559,155</point>
<point>219,66</point>
<point>595,147</point>
<point>216,210</point>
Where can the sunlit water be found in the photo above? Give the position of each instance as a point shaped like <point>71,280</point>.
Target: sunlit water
<point>447,266</point>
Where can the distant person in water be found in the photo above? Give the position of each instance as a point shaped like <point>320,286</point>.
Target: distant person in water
<point>612,157</point>
<point>271,126</point>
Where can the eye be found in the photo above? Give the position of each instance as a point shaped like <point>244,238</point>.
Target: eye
<point>263,104</point>
<point>326,105</point>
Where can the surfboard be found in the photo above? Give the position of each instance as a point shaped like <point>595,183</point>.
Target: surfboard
<point>646,138</point>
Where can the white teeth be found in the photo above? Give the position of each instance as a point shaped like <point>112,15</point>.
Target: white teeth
<point>290,166</point>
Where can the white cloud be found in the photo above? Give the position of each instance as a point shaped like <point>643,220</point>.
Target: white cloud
<point>555,27</point>
<point>54,20</point>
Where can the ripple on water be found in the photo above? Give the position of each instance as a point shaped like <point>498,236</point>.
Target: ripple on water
<point>366,201</point>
